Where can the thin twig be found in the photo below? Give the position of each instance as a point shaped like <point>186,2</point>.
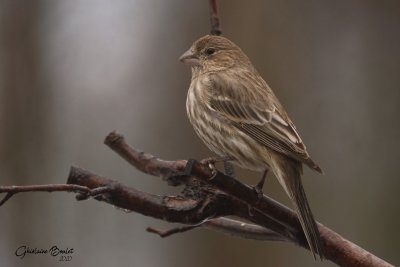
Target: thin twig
<point>6,197</point>
<point>13,189</point>
<point>169,232</point>
<point>214,18</point>
<point>242,229</point>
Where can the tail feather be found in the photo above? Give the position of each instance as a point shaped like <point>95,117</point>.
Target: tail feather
<point>314,166</point>
<point>307,220</point>
<point>289,173</point>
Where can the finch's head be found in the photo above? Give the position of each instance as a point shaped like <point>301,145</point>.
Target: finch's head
<point>214,53</point>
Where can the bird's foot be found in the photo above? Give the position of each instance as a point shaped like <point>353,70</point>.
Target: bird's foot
<point>210,162</point>
<point>229,169</point>
<point>214,160</point>
<point>258,188</point>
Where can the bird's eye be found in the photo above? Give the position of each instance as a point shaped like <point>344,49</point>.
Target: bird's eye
<point>210,51</point>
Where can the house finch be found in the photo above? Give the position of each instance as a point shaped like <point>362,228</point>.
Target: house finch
<point>237,115</point>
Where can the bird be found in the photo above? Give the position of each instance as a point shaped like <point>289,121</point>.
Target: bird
<point>237,115</point>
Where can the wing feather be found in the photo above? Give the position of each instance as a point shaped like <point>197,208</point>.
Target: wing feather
<point>254,109</point>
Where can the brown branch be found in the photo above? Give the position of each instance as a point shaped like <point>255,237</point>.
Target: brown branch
<point>214,18</point>
<point>264,212</point>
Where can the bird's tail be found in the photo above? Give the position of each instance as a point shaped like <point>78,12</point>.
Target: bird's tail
<point>289,173</point>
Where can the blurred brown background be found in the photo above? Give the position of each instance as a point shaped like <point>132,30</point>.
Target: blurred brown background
<point>72,71</point>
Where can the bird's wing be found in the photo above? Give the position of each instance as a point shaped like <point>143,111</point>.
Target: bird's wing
<point>251,106</point>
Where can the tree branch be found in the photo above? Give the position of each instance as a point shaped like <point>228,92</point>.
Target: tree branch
<point>263,212</point>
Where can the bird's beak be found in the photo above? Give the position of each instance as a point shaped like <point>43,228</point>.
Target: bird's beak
<point>189,57</point>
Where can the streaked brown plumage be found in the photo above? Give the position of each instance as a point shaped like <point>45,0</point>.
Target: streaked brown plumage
<point>237,115</point>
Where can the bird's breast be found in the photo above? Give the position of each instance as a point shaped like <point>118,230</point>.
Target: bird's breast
<point>217,133</point>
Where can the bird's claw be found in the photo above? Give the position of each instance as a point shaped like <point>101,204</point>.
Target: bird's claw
<point>258,190</point>
<point>210,163</point>
<point>259,186</point>
<point>229,169</point>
